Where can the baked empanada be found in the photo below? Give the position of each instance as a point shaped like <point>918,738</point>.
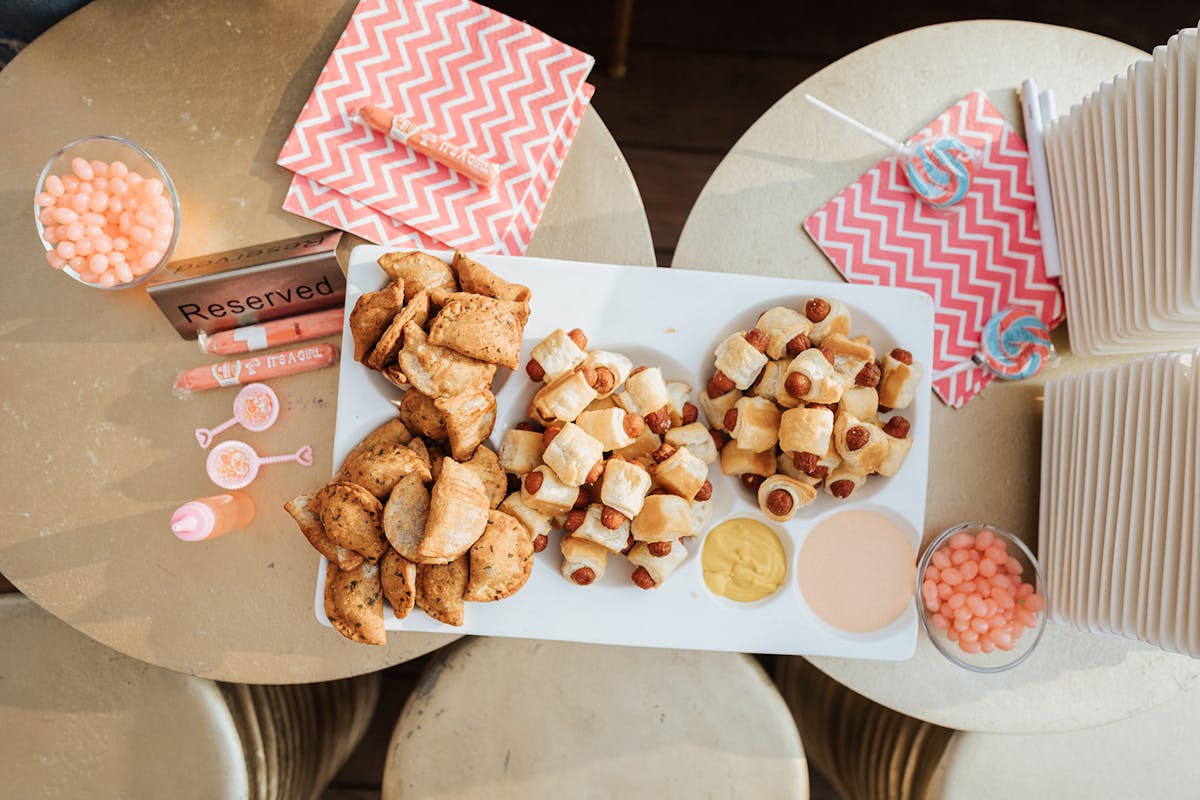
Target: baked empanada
<point>389,344</point>
<point>398,579</point>
<point>439,371</point>
<point>418,271</point>
<point>475,277</point>
<point>389,433</point>
<point>420,415</point>
<point>470,417</point>
<point>440,589</point>
<point>458,510</point>
<point>310,525</point>
<point>501,560</point>
<point>378,470</point>
<point>486,467</point>
<point>354,602</point>
<point>405,517</point>
<point>371,315</point>
<point>352,518</point>
<point>481,327</point>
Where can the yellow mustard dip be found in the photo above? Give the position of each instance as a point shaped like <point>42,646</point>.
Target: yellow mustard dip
<point>743,560</point>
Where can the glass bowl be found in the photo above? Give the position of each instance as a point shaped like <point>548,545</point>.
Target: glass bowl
<point>998,660</point>
<point>106,149</point>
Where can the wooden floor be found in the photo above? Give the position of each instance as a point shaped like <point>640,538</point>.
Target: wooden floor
<point>699,73</point>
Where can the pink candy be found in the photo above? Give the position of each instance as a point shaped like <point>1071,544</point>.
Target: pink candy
<point>108,224</point>
<point>974,591</point>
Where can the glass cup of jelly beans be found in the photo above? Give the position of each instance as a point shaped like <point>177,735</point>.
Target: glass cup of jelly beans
<point>106,212</point>
<point>981,596</point>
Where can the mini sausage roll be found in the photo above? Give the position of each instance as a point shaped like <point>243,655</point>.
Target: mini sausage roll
<point>819,383</point>
<point>681,395</point>
<point>573,454</point>
<point>613,427</point>
<point>828,317</point>
<point>682,473</point>
<point>615,365</point>
<point>583,561</point>
<point>770,380</point>
<point>714,408</point>
<point>696,439</point>
<point>593,529</point>
<point>861,401</point>
<point>624,486</point>
<point>781,325</point>
<point>843,481</point>
<point>542,490</point>
<point>520,451</point>
<point>556,355</point>
<point>785,464</point>
<point>562,400</point>
<point>896,431</point>
<point>757,425</point>
<point>736,461</point>
<point>536,521</point>
<point>848,356</point>
<point>739,360</point>
<point>663,518</point>
<point>701,514</point>
<point>780,497</point>
<point>900,379</point>
<point>651,570</point>
<point>647,391</point>
<point>642,446</point>
<point>806,430</point>
<point>862,445</point>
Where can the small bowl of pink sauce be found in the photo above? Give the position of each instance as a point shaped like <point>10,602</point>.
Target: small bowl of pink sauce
<point>106,212</point>
<point>981,597</point>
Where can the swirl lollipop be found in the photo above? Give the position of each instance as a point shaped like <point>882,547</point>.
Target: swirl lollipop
<point>234,464</point>
<point>1016,345</point>
<point>256,407</point>
<point>939,169</point>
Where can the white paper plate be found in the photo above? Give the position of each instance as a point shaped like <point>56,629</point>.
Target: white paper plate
<point>672,320</point>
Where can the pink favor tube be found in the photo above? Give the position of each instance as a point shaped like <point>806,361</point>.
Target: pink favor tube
<point>209,517</point>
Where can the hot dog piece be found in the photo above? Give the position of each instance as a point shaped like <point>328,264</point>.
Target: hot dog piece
<point>680,394</point>
<point>573,454</point>
<point>780,497</point>
<point>615,365</point>
<point>785,464</point>
<point>655,568</point>
<point>593,529</point>
<point>828,317</point>
<point>624,486</point>
<point>843,481</point>
<point>583,561</point>
<point>782,325</point>
<point>898,446</point>
<point>555,356</point>
<point>739,360</point>
<point>756,423</point>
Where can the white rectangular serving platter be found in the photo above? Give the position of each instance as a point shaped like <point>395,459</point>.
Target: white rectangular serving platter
<point>671,319</point>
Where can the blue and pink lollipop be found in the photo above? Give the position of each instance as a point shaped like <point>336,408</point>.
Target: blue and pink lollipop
<point>1015,345</point>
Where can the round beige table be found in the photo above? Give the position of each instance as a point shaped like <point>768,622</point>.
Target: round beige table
<point>514,718</point>
<point>96,451</point>
<point>748,219</point>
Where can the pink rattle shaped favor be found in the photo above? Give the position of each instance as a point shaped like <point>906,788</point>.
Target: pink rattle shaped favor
<point>256,407</point>
<point>234,464</point>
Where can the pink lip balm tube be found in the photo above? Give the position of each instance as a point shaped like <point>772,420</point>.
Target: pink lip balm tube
<point>209,517</point>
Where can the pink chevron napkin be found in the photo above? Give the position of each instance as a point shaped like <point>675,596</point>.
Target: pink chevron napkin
<point>310,199</point>
<point>976,258</point>
<point>480,79</point>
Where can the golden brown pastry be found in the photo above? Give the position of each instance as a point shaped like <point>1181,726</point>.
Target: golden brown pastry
<point>899,443</point>
<point>861,401</point>
<point>377,471</point>
<point>682,473</point>
<point>389,433</point>
<point>615,365</point>
<point>398,579</point>
<point>440,589</point>
<point>562,400</point>
<point>645,444</point>
<point>354,602</point>
<point>785,464</point>
<point>352,518</point>
<point>715,408</point>
<point>421,451</point>
<point>806,430</point>
<point>647,390</point>
<point>701,512</point>
<point>419,271</point>
<point>521,451</point>
<point>486,466</point>
<point>862,445</point>
<point>651,570</point>
<point>475,277</point>
<point>736,461</point>
<point>663,518</point>
<point>573,454</point>
<point>310,525</point>
<point>827,316</point>
<point>501,560</point>
<point>810,378</point>
<point>537,522</point>
<point>680,400</point>
<point>480,327</point>
<point>780,497</point>
<point>583,561</point>
<point>848,356</point>
<point>590,524</point>
<point>624,486</point>
<point>695,438</point>
<point>458,509</point>
<point>470,417</point>
<point>740,360</point>
<point>372,314</point>
<point>614,427</point>
<point>387,349</point>
<point>405,517</point>
<point>900,379</point>
<point>555,356</point>
<point>843,481</point>
<point>755,423</point>
<point>770,380</point>
<point>543,491</point>
<point>439,371</point>
<point>786,330</point>
<point>420,415</point>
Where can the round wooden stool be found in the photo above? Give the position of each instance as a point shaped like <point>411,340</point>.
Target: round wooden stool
<point>499,717</point>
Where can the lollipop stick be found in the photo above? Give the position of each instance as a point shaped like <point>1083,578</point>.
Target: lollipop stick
<point>882,138</point>
<point>205,435</point>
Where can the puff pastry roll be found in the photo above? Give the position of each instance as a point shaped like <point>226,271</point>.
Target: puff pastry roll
<point>458,513</point>
<point>572,454</point>
<point>739,360</point>
<point>817,381</point>
<point>861,401</point>
<point>696,439</point>
<point>617,367</point>
<point>780,497</point>
<point>848,356</point>
<point>862,445</point>
<point>613,427</point>
<point>647,391</point>
<point>896,431</point>
<point>555,356</point>
<point>806,430</point>
<point>770,380</point>
<point>782,325</point>
<point>680,396</point>
<point>624,486</point>
<point>701,514</point>
<point>593,529</point>
<point>583,561</point>
<point>520,451</point>
<point>755,423</point>
<point>785,464</point>
<point>562,400</point>
<point>536,521</point>
<point>663,518</point>
<point>827,316</point>
<point>736,461</point>
<point>900,379</point>
<point>642,447</point>
<point>714,408</point>
<point>542,490</point>
<point>601,403</point>
<point>843,481</point>
<point>681,473</point>
<point>651,570</point>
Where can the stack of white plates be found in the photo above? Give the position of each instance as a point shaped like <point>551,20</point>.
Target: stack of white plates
<point>1126,182</point>
<point>1120,500</point>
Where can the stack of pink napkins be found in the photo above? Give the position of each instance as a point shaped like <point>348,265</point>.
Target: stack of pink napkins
<point>480,80</point>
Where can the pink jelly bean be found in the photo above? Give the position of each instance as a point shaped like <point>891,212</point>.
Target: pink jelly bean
<point>952,634</point>
<point>963,614</point>
<point>43,200</point>
<point>99,201</point>
<point>980,625</point>
<point>46,216</point>
<point>967,587</point>
<point>1024,590</point>
<point>970,647</point>
<point>117,169</point>
<point>944,591</point>
<point>957,601</point>
<point>102,244</point>
<point>960,540</point>
<point>969,635</point>
<point>141,235</point>
<point>124,273</point>
<point>946,611</point>
<point>150,258</point>
<point>929,590</point>
<point>1027,618</point>
<point>81,204</point>
<point>941,559</point>
<point>97,264</point>
<point>75,231</point>
<point>1016,629</point>
<point>976,604</point>
<point>1003,598</point>
<point>983,589</point>
<point>987,567</point>
<point>99,168</point>
<point>1001,636</point>
<point>1034,602</point>
<point>120,243</point>
<point>54,185</point>
<point>146,218</point>
<point>960,625</point>
<point>996,553</point>
<point>82,168</point>
<point>951,576</point>
<point>118,187</point>
<point>153,187</point>
<point>933,574</point>
<point>65,215</point>
<point>1014,567</point>
<point>986,644</point>
<point>958,557</point>
<point>984,539</point>
<point>999,581</point>
<point>66,249</point>
<point>56,261</point>
<point>115,257</point>
<point>70,184</point>
<point>83,247</point>
<point>108,280</point>
<point>939,622</point>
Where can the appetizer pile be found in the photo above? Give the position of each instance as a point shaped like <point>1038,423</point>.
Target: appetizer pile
<point>795,404</point>
<point>612,454</point>
<point>411,515</point>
